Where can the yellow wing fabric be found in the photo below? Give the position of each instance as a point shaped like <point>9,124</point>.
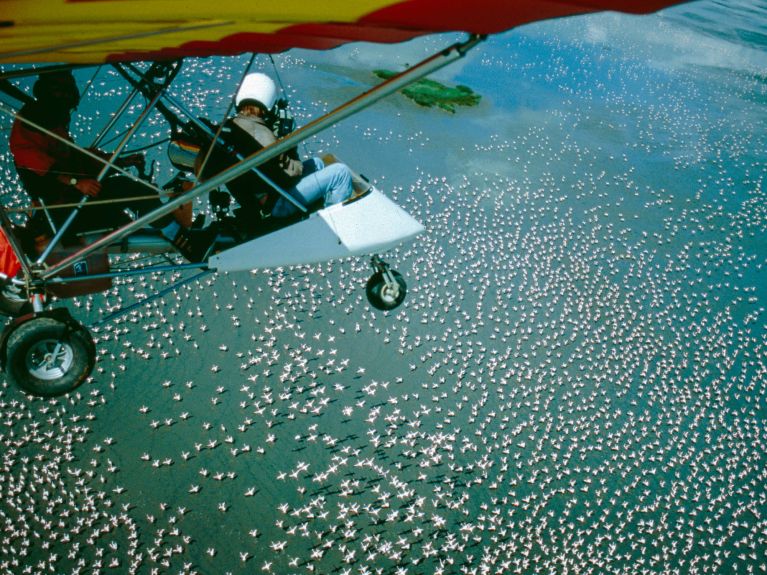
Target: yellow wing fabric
<point>102,30</point>
<point>92,31</point>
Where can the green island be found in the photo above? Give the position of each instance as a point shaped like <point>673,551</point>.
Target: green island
<point>430,93</point>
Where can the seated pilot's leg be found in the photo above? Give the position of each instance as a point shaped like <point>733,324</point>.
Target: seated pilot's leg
<point>306,195</point>
<point>332,183</point>
<point>339,183</point>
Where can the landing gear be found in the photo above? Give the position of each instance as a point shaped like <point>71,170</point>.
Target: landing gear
<point>49,355</point>
<point>386,289</point>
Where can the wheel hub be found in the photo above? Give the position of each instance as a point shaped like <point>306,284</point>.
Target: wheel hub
<point>49,359</point>
<point>389,293</point>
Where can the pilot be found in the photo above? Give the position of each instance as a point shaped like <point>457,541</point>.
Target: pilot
<point>307,181</point>
<point>57,173</point>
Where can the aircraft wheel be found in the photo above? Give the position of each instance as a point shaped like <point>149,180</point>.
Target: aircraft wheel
<point>47,357</point>
<point>384,295</point>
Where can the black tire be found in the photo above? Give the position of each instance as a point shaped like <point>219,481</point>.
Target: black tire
<point>30,363</point>
<point>382,297</point>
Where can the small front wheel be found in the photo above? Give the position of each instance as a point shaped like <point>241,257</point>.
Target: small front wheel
<point>385,295</point>
<point>48,357</point>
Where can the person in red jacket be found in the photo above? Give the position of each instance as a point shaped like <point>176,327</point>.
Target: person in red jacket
<point>56,173</point>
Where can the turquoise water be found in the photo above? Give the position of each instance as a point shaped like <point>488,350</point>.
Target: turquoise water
<point>576,382</point>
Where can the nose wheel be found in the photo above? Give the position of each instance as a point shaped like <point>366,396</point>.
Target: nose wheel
<point>386,289</point>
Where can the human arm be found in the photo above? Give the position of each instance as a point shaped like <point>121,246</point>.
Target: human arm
<point>39,154</point>
<point>85,182</point>
<point>86,186</point>
<point>292,167</point>
<point>254,135</point>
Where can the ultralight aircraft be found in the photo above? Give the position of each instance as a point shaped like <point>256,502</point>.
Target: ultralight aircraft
<point>45,350</point>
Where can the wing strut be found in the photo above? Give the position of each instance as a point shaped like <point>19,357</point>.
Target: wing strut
<point>148,86</point>
<point>361,102</point>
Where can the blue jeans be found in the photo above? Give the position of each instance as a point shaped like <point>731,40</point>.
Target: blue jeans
<point>333,183</point>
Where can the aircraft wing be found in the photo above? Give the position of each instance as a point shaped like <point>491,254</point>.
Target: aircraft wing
<point>94,31</point>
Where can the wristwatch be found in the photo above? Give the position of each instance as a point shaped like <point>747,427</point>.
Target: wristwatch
<point>73,181</point>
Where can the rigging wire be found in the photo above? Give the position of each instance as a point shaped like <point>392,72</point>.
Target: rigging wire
<point>285,95</point>
<point>117,136</point>
<point>93,202</point>
<point>152,297</point>
<point>279,78</point>
<point>90,82</point>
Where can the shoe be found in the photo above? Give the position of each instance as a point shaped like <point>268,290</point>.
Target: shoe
<point>195,244</point>
<point>13,301</point>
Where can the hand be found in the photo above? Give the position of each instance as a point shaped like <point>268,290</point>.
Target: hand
<point>88,187</point>
<point>292,168</point>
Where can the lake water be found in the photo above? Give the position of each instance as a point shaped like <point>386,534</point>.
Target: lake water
<point>576,382</point>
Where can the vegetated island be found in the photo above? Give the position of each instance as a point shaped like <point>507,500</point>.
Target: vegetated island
<point>429,93</point>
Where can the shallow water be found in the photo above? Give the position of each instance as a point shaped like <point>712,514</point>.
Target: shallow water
<point>575,382</point>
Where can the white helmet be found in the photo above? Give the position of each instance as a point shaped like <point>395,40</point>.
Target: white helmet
<point>259,87</point>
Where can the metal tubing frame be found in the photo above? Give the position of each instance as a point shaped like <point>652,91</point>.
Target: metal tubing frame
<point>26,263</point>
<point>124,273</point>
<point>128,135</point>
<point>353,106</point>
<point>113,120</point>
<point>140,84</point>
